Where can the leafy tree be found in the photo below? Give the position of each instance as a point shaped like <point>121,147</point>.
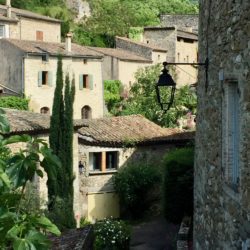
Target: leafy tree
<point>143,99</point>
<point>133,183</point>
<point>21,228</point>
<point>14,102</point>
<point>112,94</point>
<point>61,141</point>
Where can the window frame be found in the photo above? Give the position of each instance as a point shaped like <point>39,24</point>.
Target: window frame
<point>102,168</point>
<point>3,30</point>
<point>231,134</point>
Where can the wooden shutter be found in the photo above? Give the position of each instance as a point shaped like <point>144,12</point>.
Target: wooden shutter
<point>39,35</point>
<point>40,79</point>
<point>80,82</point>
<point>91,83</point>
<point>50,78</point>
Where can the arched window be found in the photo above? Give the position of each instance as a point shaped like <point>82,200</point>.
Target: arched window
<point>86,112</point>
<point>44,110</point>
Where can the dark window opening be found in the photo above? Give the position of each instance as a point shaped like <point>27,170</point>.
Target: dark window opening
<point>45,77</point>
<point>111,160</point>
<point>86,112</point>
<point>44,110</point>
<point>45,58</point>
<point>85,81</point>
<point>97,161</point>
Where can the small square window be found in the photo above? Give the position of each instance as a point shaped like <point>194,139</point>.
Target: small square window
<point>45,57</point>
<point>85,61</point>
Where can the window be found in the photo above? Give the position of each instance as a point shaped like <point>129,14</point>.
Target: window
<point>187,59</point>
<point>45,78</point>
<point>103,161</point>
<point>85,82</point>
<point>85,61</point>
<point>39,35</point>
<point>97,161</point>
<point>2,31</point>
<point>44,110</point>
<point>86,112</point>
<point>231,134</point>
<point>45,57</point>
<point>111,160</point>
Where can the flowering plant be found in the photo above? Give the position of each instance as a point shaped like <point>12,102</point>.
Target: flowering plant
<point>111,234</point>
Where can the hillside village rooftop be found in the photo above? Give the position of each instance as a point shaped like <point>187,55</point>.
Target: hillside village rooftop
<point>36,47</point>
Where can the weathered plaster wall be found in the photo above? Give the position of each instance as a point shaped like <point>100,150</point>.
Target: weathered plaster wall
<point>127,70</point>
<point>51,30</point>
<point>110,68</point>
<point>181,21</point>
<point>10,67</point>
<point>186,52</point>
<point>222,214</point>
<point>43,96</point>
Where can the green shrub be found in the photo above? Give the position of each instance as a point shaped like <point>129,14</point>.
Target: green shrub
<point>178,184</point>
<point>111,234</point>
<point>133,184</point>
<point>14,102</point>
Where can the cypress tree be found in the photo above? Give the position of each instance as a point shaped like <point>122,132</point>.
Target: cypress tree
<point>61,141</point>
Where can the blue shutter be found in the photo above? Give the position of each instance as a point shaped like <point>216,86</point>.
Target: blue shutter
<point>80,82</point>
<point>91,83</point>
<point>40,79</point>
<point>50,78</point>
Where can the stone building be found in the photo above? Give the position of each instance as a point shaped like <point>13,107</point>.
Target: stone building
<point>119,64</point>
<point>188,22</point>
<point>222,164</point>
<point>26,25</point>
<point>152,52</point>
<point>182,47</point>
<point>29,68</point>
<point>111,143</point>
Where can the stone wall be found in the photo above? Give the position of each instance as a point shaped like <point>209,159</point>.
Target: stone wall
<point>222,211</point>
<point>101,183</point>
<point>165,38</point>
<point>138,49</point>
<point>185,22</point>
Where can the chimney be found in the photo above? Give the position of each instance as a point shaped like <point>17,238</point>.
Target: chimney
<point>8,4</point>
<point>68,42</point>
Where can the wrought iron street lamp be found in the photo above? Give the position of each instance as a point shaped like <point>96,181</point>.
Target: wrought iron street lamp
<point>166,82</point>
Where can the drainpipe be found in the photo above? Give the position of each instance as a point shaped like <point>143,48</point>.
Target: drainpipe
<point>8,4</point>
<point>68,45</point>
<point>22,81</point>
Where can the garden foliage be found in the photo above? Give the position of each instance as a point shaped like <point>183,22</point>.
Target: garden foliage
<point>178,184</point>
<point>142,99</point>
<point>133,183</point>
<point>112,94</point>
<point>22,228</point>
<point>14,102</point>
<point>111,234</point>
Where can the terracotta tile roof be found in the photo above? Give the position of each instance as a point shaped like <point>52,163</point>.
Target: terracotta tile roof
<point>129,130</point>
<point>29,122</point>
<point>154,48</point>
<point>186,34</point>
<point>52,48</point>
<point>29,14</point>
<point>120,54</point>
